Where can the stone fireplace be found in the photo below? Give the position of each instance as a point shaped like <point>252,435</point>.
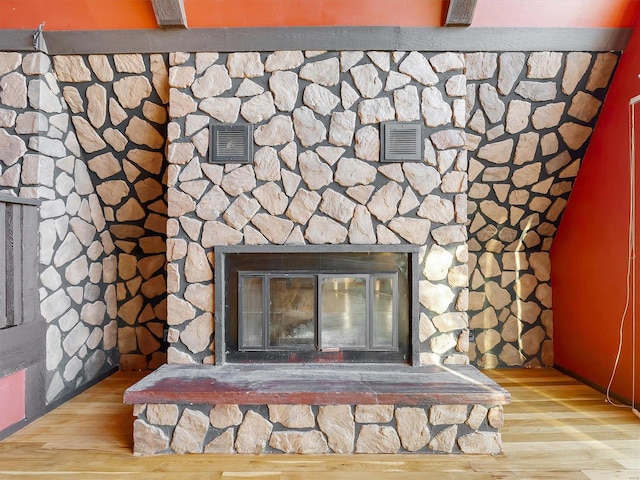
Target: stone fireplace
<point>318,176</point>
<point>325,274</point>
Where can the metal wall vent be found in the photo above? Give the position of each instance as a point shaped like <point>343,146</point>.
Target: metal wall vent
<point>401,141</point>
<point>230,143</point>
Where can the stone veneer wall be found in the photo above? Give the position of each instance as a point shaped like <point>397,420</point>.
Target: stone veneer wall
<point>530,117</point>
<point>313,429</point>
<point>117,105</point>
<point>316,176</point>
<point>40,158</point>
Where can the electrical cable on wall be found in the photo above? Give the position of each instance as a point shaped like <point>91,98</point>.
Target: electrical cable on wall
<point>630,298</point>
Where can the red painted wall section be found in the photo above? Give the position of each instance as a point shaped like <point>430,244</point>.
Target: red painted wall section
<point>589,254</point>
<point>12,399</point>
<point>136,14</point>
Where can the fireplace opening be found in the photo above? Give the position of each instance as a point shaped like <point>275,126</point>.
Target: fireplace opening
<point>316,306</point>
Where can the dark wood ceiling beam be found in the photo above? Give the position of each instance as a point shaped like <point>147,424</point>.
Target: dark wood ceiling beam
<point>170,13</point>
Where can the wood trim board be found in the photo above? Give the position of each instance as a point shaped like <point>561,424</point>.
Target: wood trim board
<point>321,38</point>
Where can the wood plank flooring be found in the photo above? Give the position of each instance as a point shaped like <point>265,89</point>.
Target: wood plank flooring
<point>556,429</point>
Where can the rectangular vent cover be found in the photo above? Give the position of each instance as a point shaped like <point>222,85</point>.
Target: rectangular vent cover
<point>230,143</point>
<point>401,142</point>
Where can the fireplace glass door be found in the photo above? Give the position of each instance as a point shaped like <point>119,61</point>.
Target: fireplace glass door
<point>323,312</point>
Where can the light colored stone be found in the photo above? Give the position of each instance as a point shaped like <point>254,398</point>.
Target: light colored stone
<point>197,335</point>
<point>148,439</point>
<point>492,105</point>
<point>310,442</point>
<point>407,104</point>
<point>284,86</point>
<point>480,65</point>
<point>162,414</point>
<point>447,414</point>
<point>241,211</point>
<point>179,311</point>
<point>481,442</point>
<point>337,206</point>
<point>12,148</point>
<point>200,295</point>
<point>497,296</point>
<point>223,443</point>
<point>284,60</point>
<point>224,110</point>
<point>290,182</point>
<point>396,80</point>
<point>197,267</point>
<point>435,110</point>
<point>42,98</point>
<point>266,164</point>
<point>217,233</point>
<point>10,61</point>
<point>342,128</point>
<point>131,91</point>
<point>348,95</point>
<point>381,60</point>
<point>308,129</point>
<point>361,227</point>
<point>13,90</point>
<point>437,263</point>
<point>367,144</point>
<point>544,64</point>
<point>511,64</point>
<point>445,62</point>
<point>374,413</point>
<point>238,181</point>
<point>366,80</point>
<point>322,230</point>
<point>518,116</point>
<point>413,428</point>
<point>375,111</point>
<point>584,107</point>
<point>214,82</point>
<point>181,104</point>
<point>292,416</point>
<point>319,99</point>
<point>601,71</point>
<point>422,178</point>
<point>223,416</point>
<point>548,116</point>
<point>245,65</point>
<point>435,297</point>
<point>449,234</point>
<point>417,67</point>
<point>413,230</point>
<point>259,108</point>
<point>143,133</point>
<point>272,198</point>
<point>303,205</point>
<point>351,171</point>
<point>278,131</point>
<point>249,88</point>
<point>71,68</point>
<point>377,439</point>
<point>450,321</point>
<point>537,91</point>
<point>384,203</point>
<point>576,65</point>
<point>527,175</point>
<point>337,423</point>
<point>323,72</point>
<point>275,229</point>
<point>253,434</point>
<point>315,173</point>
<point>189,434</point>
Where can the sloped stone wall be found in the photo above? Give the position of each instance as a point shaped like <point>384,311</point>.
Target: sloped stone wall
<point>316,176</point>
<point>117,106</point>
<point>530,117</point>
<point>40,158</point>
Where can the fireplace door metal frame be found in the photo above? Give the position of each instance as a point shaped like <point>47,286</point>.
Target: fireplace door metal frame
<point>226,347</point>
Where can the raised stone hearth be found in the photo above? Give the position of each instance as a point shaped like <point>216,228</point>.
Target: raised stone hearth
<point>315,409</point>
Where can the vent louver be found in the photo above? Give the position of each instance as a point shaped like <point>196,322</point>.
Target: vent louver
<point>230,143</point>
<point>401,141</point>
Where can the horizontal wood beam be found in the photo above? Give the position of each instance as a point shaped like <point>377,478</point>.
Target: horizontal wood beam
<point>322,38</point>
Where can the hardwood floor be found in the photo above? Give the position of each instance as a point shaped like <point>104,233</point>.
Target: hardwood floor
<point>556,428</point>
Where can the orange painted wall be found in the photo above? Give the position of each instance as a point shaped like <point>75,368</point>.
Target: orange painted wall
<point>12,399</point>
<point>589,254</point>
<point>134,14</point>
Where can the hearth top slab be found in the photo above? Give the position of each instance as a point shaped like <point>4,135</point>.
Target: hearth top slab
<point>313,384</point>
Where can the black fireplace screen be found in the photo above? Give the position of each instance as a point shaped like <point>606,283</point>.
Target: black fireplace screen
<point>314,307</point>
